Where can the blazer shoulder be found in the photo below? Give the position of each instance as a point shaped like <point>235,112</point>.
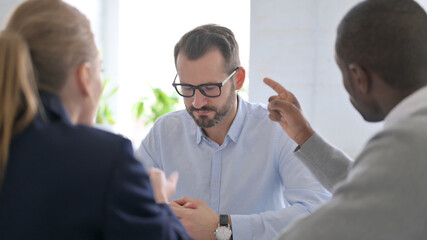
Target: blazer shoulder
<point>99,137</point>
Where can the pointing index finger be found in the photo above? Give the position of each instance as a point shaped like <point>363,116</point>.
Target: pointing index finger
<point>283,93</point>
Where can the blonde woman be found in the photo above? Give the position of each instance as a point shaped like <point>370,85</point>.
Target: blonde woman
<point>60,178</point>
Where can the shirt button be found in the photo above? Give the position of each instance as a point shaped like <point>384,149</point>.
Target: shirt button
<point>215,184</point>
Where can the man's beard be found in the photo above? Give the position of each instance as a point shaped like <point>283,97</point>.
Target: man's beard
<point>205,121</point>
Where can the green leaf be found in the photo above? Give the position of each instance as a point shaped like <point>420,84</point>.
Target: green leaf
<point>138,110</point>
<point>104,113</point>
<point>163,104</point>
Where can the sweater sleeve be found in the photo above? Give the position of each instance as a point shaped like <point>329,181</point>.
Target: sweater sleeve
<point>383,195</point>
<point>327,163</point>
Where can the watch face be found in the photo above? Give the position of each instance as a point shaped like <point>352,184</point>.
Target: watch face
<point>223,233</point>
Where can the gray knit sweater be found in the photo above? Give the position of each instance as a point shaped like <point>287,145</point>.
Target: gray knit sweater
<point>381,196</point>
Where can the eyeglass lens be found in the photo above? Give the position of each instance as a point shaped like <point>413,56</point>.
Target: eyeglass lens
<point>207,90</point>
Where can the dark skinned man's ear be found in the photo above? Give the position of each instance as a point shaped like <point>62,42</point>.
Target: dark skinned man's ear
<point>360,78</point>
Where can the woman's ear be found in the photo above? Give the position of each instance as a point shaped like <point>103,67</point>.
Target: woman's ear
<point>83,78</point>
<point>241,74</point>
<point>360,78</point>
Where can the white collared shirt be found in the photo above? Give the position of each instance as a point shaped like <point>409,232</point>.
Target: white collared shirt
<point>407,107</point>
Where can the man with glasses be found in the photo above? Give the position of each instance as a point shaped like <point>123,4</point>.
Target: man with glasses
<point>239,177</point>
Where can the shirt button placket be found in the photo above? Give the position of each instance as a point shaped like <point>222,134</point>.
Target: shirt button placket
<point>216,180</point>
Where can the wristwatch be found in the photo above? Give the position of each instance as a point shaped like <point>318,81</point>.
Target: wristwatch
<point>223,232</point>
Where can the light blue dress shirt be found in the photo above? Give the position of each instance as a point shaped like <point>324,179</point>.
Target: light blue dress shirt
<point>253,176</point>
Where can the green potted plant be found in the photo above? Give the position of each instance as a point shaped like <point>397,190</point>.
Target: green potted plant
<point>163,104</point>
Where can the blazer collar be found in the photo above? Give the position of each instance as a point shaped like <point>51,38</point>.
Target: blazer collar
<point>53,106</point>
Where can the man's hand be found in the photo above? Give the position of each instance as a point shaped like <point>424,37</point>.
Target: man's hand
<point>198,218</point>
<point>163,188</point>
<point>285,109</point>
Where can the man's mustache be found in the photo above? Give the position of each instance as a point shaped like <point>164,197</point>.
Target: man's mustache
<point>204,108</point>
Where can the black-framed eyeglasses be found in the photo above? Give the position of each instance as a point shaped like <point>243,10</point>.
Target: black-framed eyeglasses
<point>211,90</point>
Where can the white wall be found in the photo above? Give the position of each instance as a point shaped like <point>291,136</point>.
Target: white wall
<point>6,9</point>
<point>293,43</point>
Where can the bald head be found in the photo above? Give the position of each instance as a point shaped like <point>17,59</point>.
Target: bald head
<point>388,37</point>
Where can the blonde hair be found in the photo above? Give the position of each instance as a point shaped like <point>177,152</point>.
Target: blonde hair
<point>43,42</point>
<point>17,96</point>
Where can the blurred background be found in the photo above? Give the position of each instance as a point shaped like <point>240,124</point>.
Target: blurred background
<point>289,41</point>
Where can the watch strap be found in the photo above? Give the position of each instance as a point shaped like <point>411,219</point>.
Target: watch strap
<point>223,220</point>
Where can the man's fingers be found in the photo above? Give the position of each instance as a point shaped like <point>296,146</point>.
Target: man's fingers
<point>174,204</point>
<point>272,98</point>
<point>191,205</point>
<point>279,89</point>
<point>274,114</point>
<point>283,93</point>
<point>178,210</point>
<point>280,106</point>
<point>184,200</point>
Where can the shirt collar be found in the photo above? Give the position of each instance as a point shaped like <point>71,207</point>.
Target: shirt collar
<point>199,134</point>
<point>237,125</point>
<point>408,106</point>
<point>235,128</point>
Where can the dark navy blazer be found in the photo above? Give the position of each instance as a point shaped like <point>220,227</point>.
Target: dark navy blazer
<point>75,182</point>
